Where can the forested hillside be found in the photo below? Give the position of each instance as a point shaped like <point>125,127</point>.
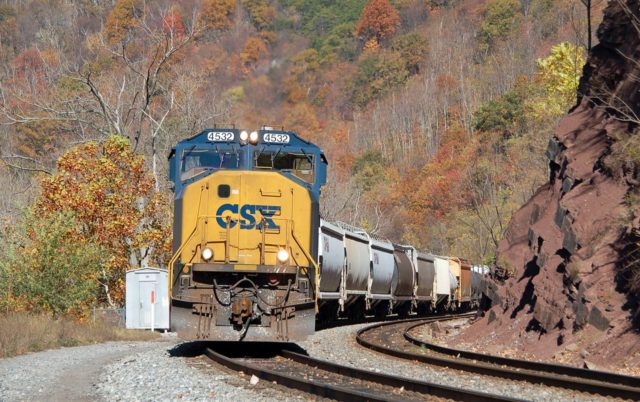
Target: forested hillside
<point>434,115</point>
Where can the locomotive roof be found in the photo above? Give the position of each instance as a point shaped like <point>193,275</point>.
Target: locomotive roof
<point>267,137</point>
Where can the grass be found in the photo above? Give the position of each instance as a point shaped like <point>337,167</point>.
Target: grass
<point>23,332</point>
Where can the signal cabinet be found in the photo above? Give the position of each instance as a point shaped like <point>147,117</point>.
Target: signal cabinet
<point>147,299</point>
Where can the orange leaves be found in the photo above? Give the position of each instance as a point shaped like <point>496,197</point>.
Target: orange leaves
<point>172,23</point>
<point>378,21</point>
<point>122,18</point>
<point>254,49</point>
<point>110,192</point>
<point>436,189</point>
<point>216,13</point>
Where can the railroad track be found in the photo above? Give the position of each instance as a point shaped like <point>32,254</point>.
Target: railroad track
<point>383,338</point>
<point>334,381</point>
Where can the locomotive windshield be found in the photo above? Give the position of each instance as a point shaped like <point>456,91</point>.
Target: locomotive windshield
<point>197,161</point>
<point>300,165</point>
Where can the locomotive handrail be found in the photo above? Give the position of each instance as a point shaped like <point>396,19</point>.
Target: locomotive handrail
<point>173,259</point>
<point>310,258</point>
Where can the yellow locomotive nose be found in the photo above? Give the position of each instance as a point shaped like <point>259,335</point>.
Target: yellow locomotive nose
<point>248,220</point>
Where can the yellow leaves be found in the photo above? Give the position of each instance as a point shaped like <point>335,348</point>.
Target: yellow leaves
<point>371,45</point>
<point>559,74</point>
<point>110,192</point>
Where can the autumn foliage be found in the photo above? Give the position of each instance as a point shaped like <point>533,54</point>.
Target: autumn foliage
<point>216,13</point>
<point>379,20</point>
<point>109,191</point>
<point>122,19</point>
<point>434,116</point>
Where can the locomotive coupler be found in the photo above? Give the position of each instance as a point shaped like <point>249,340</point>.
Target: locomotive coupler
<point>241,309</point>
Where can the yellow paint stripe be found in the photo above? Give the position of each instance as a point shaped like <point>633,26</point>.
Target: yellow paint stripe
<point>245,267</point>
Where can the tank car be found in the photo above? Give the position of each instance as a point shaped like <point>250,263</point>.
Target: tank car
<point>245,240</point>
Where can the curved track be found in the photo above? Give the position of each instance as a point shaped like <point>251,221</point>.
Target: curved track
<point>379,337</point>
<point>331,380</point>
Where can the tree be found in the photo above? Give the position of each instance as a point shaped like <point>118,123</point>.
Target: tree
<point>378,21</point>
<point>376,76</point>
<point>216,13</point>
<point>254,49</point>
<point>413,49</point>
<point>122,19</point>
<point>501,17</point>
<point>559,75</point>
<point>110,192</point>
<point>587,5</point>
<point>506,113</point>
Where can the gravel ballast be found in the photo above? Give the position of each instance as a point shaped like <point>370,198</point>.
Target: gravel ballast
<point>339,345</point>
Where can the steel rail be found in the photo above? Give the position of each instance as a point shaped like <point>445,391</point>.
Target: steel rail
<point>343,393</point>
<point>596,375</point>
<point>504,370</point>
<point>422,387</point>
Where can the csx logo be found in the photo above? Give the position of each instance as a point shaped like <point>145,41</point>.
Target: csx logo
<point>247,213</point>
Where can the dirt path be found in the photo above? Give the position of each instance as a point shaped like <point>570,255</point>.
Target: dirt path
<point>67,374</point>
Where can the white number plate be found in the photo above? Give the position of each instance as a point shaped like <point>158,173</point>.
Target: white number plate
<point>220,136</point>
<point>276,138</point>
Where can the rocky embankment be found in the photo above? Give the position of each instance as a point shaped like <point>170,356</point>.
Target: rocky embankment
<point>567,297</point>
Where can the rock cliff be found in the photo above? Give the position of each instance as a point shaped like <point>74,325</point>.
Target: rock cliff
<point>570,252</point>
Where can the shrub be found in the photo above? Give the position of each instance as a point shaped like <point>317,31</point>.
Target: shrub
<point>504,113</point>
<point>22,333</point>
<point>49,267</point>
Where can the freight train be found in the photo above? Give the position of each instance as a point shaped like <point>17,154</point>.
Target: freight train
<point>253,260</point>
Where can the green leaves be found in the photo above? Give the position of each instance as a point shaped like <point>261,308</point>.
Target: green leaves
<point>505,113</point>
<point>49,266</point>
<point>501,18</point>
<point>376,76</point>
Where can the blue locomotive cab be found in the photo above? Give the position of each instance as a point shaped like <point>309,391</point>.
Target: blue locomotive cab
<point>217,149</point>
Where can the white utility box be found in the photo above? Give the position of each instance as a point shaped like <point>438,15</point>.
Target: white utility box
<point>147,299</point>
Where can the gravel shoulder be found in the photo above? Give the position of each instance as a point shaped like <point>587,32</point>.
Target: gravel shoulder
<point>127,371</point>
<point>66,374</point>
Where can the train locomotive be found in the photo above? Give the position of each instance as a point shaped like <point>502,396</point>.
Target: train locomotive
<point>246,218</point>
<point>253,260</point>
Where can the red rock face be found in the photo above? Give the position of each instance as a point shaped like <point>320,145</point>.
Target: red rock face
<point>562,248</point>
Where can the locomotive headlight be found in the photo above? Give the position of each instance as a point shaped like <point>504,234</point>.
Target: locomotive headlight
<point>253,137</point>
<point>244,136</point>
<point>283,256</point>
<point>207,254</point>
